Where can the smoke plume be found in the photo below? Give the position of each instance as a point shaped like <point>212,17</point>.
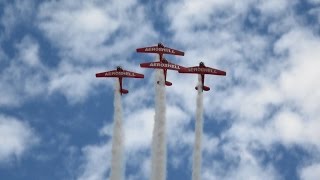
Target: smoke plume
<point>117,159</point>
<point>159,150</point>
<point>197,150</point>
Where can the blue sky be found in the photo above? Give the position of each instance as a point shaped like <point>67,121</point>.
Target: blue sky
<point>261,121</point>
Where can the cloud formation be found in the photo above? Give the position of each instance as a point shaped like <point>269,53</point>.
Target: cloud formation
<point>268,99</point>
<point>94,31</point>
<point>16,138</point>
<point>24,76</point>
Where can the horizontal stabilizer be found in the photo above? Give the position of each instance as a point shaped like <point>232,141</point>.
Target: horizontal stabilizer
<point>124,91</point>
<point>204,88</point>
<point>168,83</point>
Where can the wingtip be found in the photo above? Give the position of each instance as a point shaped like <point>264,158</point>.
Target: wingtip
<point>140,50</point>
<point>141,76</point>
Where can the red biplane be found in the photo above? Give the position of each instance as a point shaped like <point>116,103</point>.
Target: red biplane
<point>160,49</point>
<point>120,73</point>
<point>202,70</point>
<point>163,64</point>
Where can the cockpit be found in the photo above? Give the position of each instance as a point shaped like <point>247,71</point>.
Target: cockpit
<point>119,68</point>
<point>160,45</point>
<point>164,60</point>
<point>201,64</point>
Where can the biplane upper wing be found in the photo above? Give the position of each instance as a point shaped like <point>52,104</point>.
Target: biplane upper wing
<point>123,73</point>
<point>202,70</point>
<point>160,50</point>
<point>162,65</point>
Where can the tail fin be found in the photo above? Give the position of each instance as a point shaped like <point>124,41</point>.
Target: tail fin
<point>124,91</point>
<point>204,88</point>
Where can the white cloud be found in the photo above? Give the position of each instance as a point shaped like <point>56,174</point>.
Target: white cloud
<point>263,72</point>
<point>239,163</point>
<point>270,93</point>
<point>28,51</point>
<point>74,82</point>
<point>138,126</point>
<point>248,170</point>
<point>177,132</point>
<point>300,82</point>
<point>274,6</point>
<point>201,13</point>
<point>314,1</point>
<point>294,129</point>
<point>249,94</point>
<point>78,30</point>
<point>16,138</point>
<point>311,172</point>
<point>15,13</point>
<point>87,33</point>
<point>25,75</point>
<point>290,127</point>
<point>139,96</point>
<point>138,129</point>
<point>96,162</point>
<point>93,31</point>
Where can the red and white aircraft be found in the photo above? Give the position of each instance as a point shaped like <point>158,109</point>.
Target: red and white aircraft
<point>162,64</point>
<point>120,73</point>
<point>202,70</point>
<point>160,49</point>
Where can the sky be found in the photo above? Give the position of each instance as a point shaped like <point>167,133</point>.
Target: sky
<point>261,121</point>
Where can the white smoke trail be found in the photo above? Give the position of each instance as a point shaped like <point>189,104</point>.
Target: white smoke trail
<point>117,159</point>
<point>159,149</point>
<point>197,150</point>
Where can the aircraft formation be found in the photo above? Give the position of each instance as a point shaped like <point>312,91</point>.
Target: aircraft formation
<point>163,64</point>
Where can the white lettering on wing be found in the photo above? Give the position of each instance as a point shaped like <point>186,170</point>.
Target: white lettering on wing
<point>202,70</point>
<point>157,49</point>
<point>119,73</point>
<point>164,65</point>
